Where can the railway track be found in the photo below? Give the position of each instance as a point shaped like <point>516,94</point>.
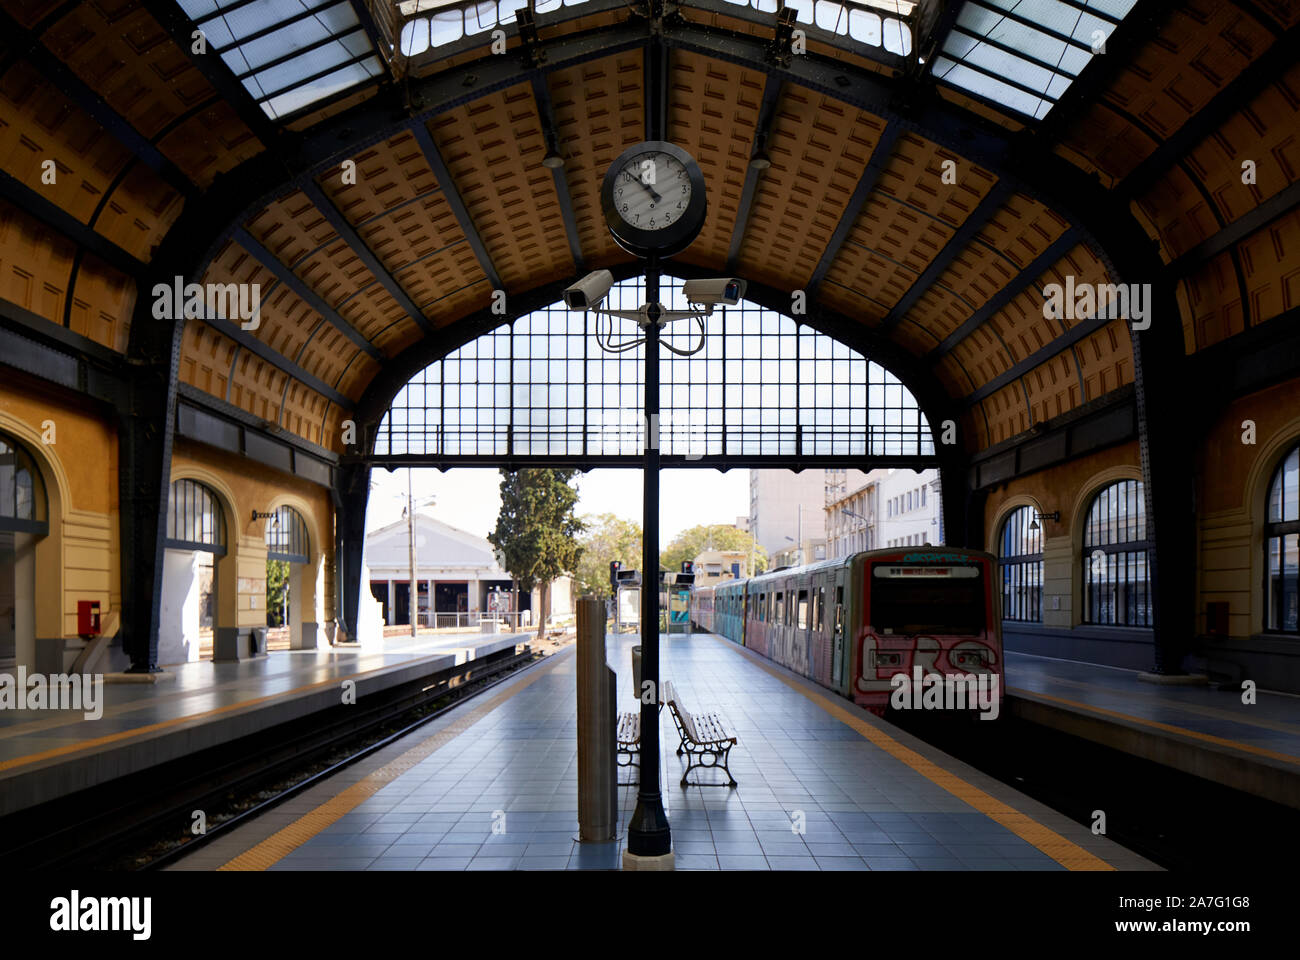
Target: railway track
<point>1174,819</point>
<point>145,821</point>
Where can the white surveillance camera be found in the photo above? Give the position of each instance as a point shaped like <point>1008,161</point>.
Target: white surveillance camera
<point>589,292</point>
<point>709,293</point>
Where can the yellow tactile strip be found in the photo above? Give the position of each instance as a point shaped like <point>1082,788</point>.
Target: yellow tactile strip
<point>1168,727</point>
<point>280,844</point>
<point>1065,852</point>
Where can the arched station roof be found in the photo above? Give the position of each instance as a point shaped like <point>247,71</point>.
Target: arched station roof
<point>1131,171</point>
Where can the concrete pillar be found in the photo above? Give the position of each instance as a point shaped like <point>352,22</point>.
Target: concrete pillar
<point>597,719</point>
<point>392,604</point>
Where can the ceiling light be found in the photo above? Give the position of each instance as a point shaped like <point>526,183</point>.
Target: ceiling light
<point>552,160</point>
<point>760,160</point>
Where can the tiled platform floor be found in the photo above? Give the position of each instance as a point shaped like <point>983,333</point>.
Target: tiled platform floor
<point>1271,723</point>
<point>205,686</point>
<point>514,766</point>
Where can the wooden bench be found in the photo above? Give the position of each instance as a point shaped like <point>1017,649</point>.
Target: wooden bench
<point>629,738</point>
<point>706,738</point>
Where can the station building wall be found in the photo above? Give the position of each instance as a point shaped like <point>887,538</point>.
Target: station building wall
<point>1233,477</point>
<point>1069,488</point>
<point>79,558</point>
<point>242,487</point>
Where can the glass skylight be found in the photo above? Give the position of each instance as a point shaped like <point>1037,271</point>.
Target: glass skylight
<point>1024,54</point>
<point>437,23</point>
<point>288,54</point>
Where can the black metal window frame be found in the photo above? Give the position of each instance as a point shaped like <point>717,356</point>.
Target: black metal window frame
<point>189,525</point>
<point>1117,585</point>
<point>1282,531</point>
<point>1021,571</point>
<point>764,385</point>
<point>286,536</point>
<point>23,506</point>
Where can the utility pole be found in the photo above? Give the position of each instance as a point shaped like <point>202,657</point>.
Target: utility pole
<point>414,592</point>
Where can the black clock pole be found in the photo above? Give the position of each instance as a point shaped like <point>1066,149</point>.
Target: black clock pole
<point>647,833</point>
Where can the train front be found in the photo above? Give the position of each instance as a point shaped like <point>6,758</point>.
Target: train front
<point>929,633</point>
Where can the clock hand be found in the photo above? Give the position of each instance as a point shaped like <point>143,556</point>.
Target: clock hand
<point>649,189</point>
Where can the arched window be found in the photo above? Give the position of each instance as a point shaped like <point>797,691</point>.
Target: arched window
<point>1116,577</point>
<point>1020,555</point>
<point>22,495</point>
<point>1282,543</point>
<point>194,519</point>
<point>286,536</point>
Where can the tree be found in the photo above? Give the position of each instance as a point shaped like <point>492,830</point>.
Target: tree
<point>607,538</point>
<point>537,531</point>
<point>277,584</point>
<point>689,544</point>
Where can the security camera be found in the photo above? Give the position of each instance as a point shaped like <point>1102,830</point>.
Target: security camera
<point>589,292</point>
<point>709,293</point>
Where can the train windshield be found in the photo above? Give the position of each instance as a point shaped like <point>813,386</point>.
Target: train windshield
<point>911,599</point>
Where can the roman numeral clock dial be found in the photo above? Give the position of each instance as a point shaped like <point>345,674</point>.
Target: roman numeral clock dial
<point>653,199</point>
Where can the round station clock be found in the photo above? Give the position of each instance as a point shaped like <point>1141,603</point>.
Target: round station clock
<point>654,199</point>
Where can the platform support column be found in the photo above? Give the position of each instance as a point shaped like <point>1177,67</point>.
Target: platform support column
<point>146,422</point>
<point>961,509</point>
<point>1165,445</point>
<point>648,834</point>
<point>353,495</point>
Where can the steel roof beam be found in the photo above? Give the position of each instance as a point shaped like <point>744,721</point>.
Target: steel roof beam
<point>348,234</point>
<point>454,200</point>
<point>884,149</point>
<point>309,296</point>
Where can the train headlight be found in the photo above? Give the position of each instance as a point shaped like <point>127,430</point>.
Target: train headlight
<point>881,659</point>
<point>969,658</point>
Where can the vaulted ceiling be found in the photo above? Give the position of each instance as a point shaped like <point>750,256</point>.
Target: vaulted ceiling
<point>165,162</point>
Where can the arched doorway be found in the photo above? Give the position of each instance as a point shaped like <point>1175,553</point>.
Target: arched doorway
<point>290,582</point>
<point>23,522</point>
<point>191,611</point>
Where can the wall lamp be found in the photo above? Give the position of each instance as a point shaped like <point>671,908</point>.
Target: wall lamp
<point>261,515</point>
<point>1054,516</point>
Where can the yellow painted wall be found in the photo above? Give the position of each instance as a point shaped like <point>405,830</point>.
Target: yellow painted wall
<point>245,486</point>
<point>79,560</point>
<point>1232,486</point>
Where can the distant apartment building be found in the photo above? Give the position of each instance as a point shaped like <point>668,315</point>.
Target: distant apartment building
<point>788,510</point>
<point>910,514</point>
<point>715,566</point>
<point>891,508</point>
<point>851,517</point>
<point>810,551</point>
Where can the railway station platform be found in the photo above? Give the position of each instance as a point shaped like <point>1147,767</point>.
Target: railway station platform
<point>1199,729</point>
<point>47,754</point>
<point>492,785</point>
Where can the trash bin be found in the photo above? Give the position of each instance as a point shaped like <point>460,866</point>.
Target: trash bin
<point>636,672</point>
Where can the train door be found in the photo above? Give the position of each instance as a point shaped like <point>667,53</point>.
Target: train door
<point>837,654</point>
<point>802,630</point>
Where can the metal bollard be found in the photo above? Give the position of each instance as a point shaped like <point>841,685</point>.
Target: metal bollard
<point>597,718</point>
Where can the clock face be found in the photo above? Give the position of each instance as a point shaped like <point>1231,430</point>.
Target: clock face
<point>653,191</point>
<point>654,200</point>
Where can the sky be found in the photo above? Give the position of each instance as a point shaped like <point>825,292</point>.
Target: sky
<point>469,498</point>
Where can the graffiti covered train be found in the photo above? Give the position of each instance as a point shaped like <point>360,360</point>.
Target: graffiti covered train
<point>853,625</point>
